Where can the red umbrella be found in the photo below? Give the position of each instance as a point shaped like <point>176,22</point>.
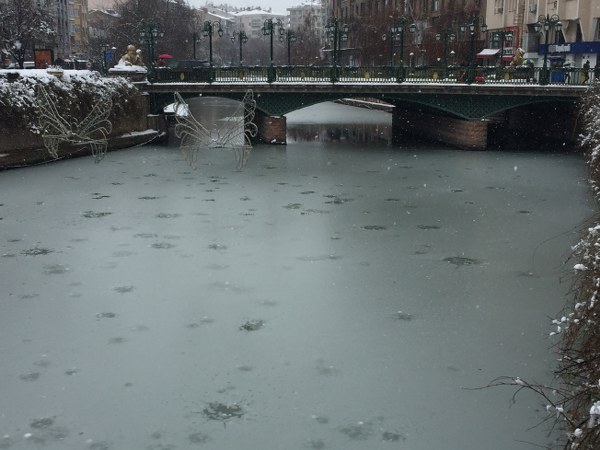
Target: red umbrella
<point>165,56</point>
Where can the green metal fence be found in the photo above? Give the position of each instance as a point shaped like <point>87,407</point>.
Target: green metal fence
<point>374,75</point>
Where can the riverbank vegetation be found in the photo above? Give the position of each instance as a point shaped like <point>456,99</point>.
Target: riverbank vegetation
<point>75,93</point>
<point>579,348</point>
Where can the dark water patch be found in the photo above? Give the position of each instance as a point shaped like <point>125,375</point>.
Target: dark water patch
<point>245,368</point>
<point>390,436</point>
<point>55,269</point>
<point>42,363</point>
<point>37,251</point>
<point>32,376</point>
<point>6,442</point>
<point>403,316</point>
<point>122,254</point>
<point>95,214</point>
<point>148,197</point>
<point>374,227</point>
<point>123,289</point>
<point>199,438</point>
<point>293,206</point>
<point>428,227</point>
<point>162,245</point>
<point>245,198</point>
<point>216,246</point>
<point>314,211</point>
<point>461,261</point>
<point>168,215</point>
<point>339,200</point>
<point>100,445</point>
<point>319,258</point>
<point>117,340</point>
<point>106,315</point>
<point>222,412</point>
<point>360,431</point>
<point>99,196</point>
<point>252,325</point>
<point>325,369</point>
<point>40,424</point>
<point>145,235</point>
<point>316,444</point>
<point>526,273</point>
<point>323,420</point>
<point>217,266</point>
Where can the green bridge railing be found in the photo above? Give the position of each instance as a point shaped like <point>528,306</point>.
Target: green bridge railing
<point>383,74</point>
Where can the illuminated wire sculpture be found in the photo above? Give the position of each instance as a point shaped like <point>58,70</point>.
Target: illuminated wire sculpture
<point>235,132</point>
<point>92,131</point>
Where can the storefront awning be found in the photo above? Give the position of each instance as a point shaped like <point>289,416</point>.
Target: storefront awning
<point>488,53</point>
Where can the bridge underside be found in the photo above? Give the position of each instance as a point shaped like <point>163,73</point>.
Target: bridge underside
<point>456,118</point>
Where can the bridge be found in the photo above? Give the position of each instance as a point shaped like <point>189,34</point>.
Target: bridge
<point>457,106</point>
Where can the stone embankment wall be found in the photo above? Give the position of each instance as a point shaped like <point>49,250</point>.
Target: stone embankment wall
<point>21,142</point>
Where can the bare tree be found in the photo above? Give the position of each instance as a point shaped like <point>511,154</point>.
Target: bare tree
<point>21,24</point>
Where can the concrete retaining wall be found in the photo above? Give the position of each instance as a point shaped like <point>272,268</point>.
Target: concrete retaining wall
<point>21,147</point>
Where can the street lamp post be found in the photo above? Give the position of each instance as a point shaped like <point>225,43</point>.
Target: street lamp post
<point>547,23</point>
<point>242,39</point>
<point>208,30</point>
<point>268,29</point>
<point>149,35</point>
<point>503,36</point>
<point>290,36</point>
<point>448,36</point>
<point>476,25</point>
<point>338,33</point>
<point>397,34</point>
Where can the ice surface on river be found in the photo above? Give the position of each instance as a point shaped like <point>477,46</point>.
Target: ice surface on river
<point>329,296</point>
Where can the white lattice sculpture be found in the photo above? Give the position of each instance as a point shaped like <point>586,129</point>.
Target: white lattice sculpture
<point>90,132</point>
<point>235,132</point>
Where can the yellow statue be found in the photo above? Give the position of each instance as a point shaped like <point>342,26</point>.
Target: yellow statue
<point>131,58</point>
<point>518,58</point>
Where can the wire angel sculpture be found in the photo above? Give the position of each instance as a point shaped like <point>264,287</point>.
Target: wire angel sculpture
<point>92,131</point>
<point>234,133</point>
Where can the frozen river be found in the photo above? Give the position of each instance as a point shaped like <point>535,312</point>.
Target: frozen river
<point>332,295</point>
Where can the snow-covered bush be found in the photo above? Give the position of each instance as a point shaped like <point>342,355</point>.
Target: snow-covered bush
<point>75,93</point>
<point>579,326</point>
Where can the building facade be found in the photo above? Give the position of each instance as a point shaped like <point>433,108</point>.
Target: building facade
<point>575,42</point>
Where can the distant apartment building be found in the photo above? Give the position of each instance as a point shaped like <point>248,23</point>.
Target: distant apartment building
<point>577,40</point>
<point>253,21</point>
<point>312,14</point>
<point>71,26</point>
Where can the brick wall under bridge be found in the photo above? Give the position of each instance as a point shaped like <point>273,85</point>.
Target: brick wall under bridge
<point>461,116</point>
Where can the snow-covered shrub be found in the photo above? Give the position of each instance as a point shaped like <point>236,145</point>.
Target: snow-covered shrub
<point>75,94</point>
<point>579,326</point>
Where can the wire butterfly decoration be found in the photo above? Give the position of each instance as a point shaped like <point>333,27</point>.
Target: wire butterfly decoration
<point>92,131</point>
<point>235,132</point>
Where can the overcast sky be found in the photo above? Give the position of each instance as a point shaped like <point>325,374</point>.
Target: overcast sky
<point>278,6</point>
